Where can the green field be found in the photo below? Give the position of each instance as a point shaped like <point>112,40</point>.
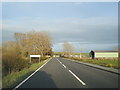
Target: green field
<point>106,62</point>
<point>84,54</point>
<point>15,78</point>
<point>112,63</point>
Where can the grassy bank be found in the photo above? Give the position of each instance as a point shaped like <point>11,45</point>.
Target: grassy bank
<point>15,78</point>
<point>103,62</point>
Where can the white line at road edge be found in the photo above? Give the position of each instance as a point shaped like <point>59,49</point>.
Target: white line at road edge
<point>30,76</point>
<point>77,78</point>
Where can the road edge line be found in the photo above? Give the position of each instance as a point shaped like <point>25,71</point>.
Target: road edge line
<point>94,66</point>
<point>30,75</point>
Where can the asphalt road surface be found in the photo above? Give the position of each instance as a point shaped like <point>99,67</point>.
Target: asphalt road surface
<point>63,73</point>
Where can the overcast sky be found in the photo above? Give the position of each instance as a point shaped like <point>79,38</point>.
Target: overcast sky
<point>88,25</point>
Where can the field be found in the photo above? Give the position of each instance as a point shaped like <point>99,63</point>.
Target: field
<point>83,54</point>
<point>112,63</point>
<point>104,62</point>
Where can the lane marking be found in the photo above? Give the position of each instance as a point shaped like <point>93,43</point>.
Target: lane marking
<point>77,78</point>
<point>73,74</point>
<point>64,66</point>
<point>30,76</point>
<point>61,63</point>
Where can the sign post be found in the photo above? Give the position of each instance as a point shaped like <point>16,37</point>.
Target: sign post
<point>34,56</point>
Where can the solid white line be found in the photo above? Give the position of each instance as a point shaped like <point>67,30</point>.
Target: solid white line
<point>77,78</point>
<point>30,76</point>
<point>64,66</point>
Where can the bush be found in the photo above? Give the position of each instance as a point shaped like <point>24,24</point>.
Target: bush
<point>15,78</point>
<point>109,65</point>
<point>12,61</point>
<point>43,58</point>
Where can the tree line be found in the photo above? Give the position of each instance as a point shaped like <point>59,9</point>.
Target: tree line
<point>15,54</point>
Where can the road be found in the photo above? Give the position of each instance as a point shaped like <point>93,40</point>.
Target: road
<point>63,73</point>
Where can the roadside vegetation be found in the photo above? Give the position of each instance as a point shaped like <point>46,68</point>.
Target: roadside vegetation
<point>112,63</point>
<point>68,52</point>
<point>16,63</point>
<point>13,79</point>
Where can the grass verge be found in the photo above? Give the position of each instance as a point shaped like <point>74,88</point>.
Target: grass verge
<point>103,62</point>
<point>13,79</point>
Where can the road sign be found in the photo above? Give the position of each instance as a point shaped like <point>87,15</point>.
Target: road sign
<point>34,56</point>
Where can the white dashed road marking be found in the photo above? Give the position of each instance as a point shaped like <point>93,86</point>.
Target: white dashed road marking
<point>77,78</point>
<point>64,66</point>
<point>73,74</point>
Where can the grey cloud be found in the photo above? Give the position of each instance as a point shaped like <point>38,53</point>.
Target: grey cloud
<point>88,31</point>
<point>97,30</point>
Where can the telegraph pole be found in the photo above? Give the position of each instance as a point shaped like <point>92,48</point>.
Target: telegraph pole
<point>80,53</point>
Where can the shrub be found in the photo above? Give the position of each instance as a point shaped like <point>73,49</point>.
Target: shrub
<point>12,61</point>
<point>43,58</point>
<point>109,65</point>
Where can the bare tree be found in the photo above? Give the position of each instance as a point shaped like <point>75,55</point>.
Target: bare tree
<point>34,42</point>
<point>21,42</point>
<point>39,42</point>
<point>68,49</point>
<point>14,52</point>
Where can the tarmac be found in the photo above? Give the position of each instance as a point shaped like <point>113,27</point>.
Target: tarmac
<point>112,70</point>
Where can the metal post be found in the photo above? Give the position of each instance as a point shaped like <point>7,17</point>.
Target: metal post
<point>39,59</point>
<point>80,53</point>
<point>30,60</point>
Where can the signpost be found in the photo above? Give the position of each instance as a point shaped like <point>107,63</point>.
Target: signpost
<point>34,56</point>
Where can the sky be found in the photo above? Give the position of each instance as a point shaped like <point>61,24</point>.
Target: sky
<point>85,25</point>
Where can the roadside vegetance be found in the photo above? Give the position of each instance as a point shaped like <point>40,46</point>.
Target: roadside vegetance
<point>112,63</point>
<point>13,79</point>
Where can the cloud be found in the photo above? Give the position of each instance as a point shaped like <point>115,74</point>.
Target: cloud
<point>92,30</point>
<point>57,47</point>
<point>89,31</point>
